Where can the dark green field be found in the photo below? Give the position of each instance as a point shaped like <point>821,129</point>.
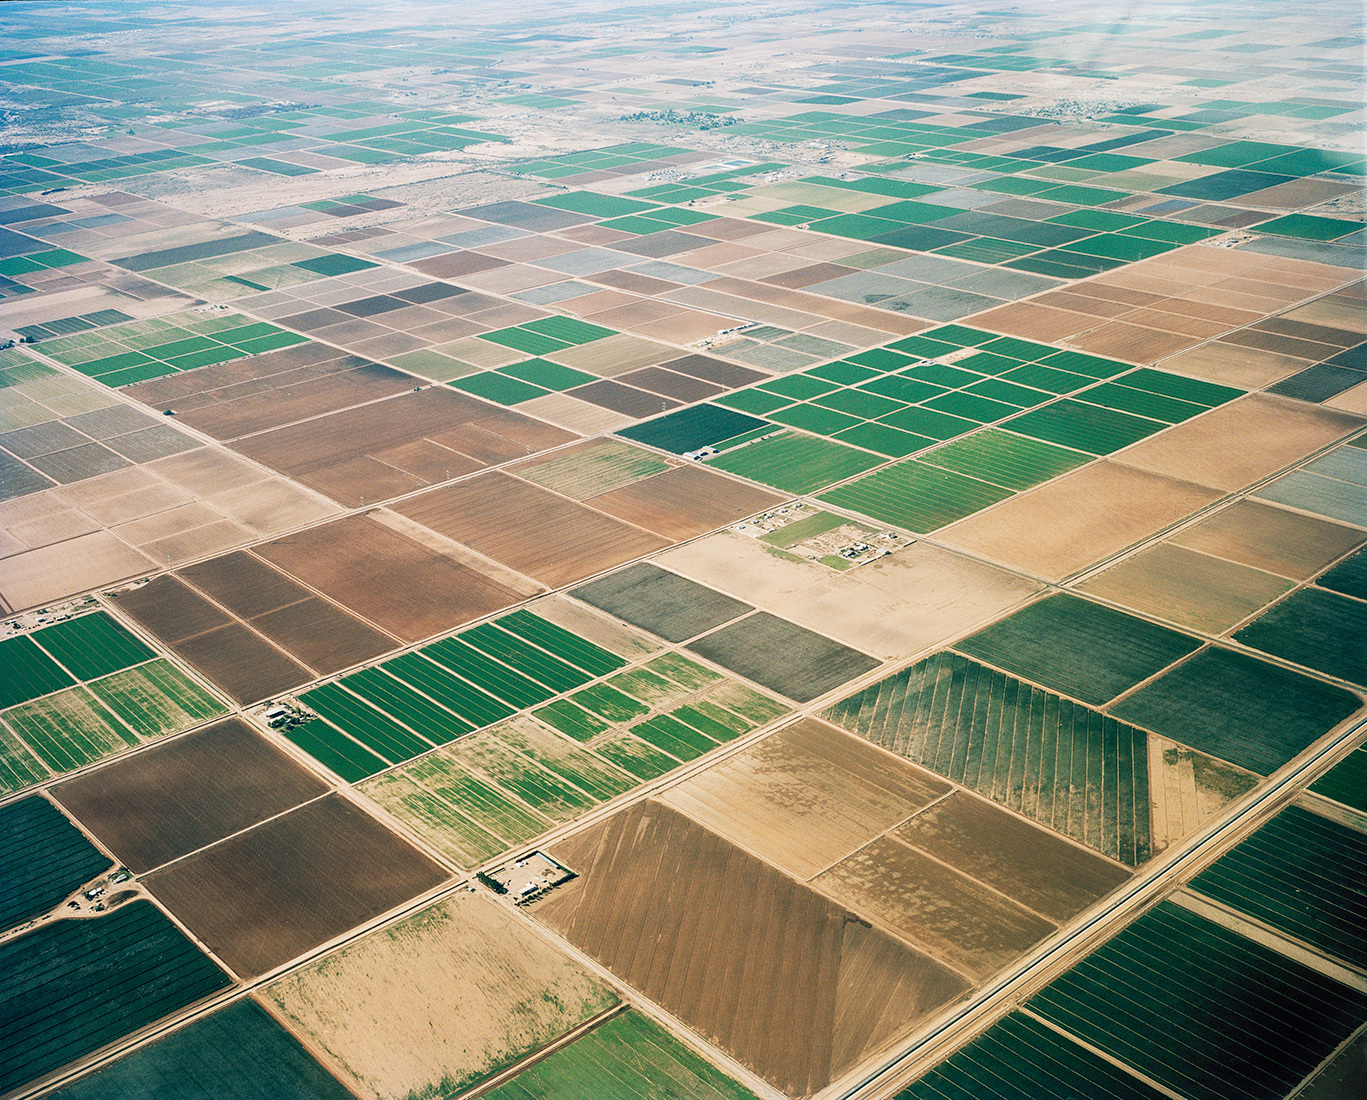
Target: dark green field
<point>73,986</point>
<point>238,1053</point>
<point>1317,629</point>
<point>1078,647</point>
<point>29,672</point>
<point>93,645</point>
<point>1051,759</point>
<point>1348,577</point>
<point>1303,874</point>
<point>1020,1058</point>
<point>1239,708</point>
<point>45,858</point>
<point>1346,781</point>
<point>1202,1010</point>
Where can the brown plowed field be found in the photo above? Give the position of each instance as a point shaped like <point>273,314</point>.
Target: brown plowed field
<point>243,664</point>
<point>170,610</point>
<point>340,454</point>
<point>263,897</point>
<point>1027,863</point>
<point>538,533</point>
<point>245,585</point>
<point>322,635</point>
<point>805,797</point>
<point>790,983</point>
<point>951,916</point>
<point>292,398</point>
<point>408,589</point>
<point>684,502</point>
<point>183,794</point>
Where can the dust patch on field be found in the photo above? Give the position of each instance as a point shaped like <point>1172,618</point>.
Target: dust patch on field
<point>432,1005</point>
<point>1187,789</point>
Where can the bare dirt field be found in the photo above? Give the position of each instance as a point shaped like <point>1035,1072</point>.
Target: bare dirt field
<point>541,535</point>
<point>242,663</point>
<point>805,797</point>
<point>1187,789</point>
<point>947,914</point>
<point>438,1001</point>
<point>1187,588</point>
<point>685,502</point>
<point>792,984</point>
<point>170,609</point>
<point>181,795</point>
<point>245,585</point>
<point>1077,519</point>
<point>53,572</point>
<point>892,607</point>
<point>260,898</point>
<point>322,635</point>
<point>400,585</point>
<point>1247,368</point>
<point>1266,537</point>
<point>1239,443</point>
<point>1028,864</point>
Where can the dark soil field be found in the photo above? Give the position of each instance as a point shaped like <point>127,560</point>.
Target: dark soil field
<point>179,796</point>
<point>168,609</point>
<point>795,986</point>
<point>785,658</point>
<point>409,590</point>
<point>242,663</point>
<point>684,502</point>
<point>238,1053</point>
<point>541,535</point>
<point>245,585</point>
<point>662,602</point>
<point>263,897</point>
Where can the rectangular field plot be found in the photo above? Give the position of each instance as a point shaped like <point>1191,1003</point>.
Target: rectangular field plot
<point>92,646</point>
<point>1075,646</point>
<point>205,1061</point>
<point>733,938</point>
<point>1346,781</point>
<point>133,962</point>
<point>1304,875</point>
<point>917,496</point>
<point>266,895</point>
<point>156,698</point>
<point>29,671</point>
<point>47,857</point>
<point>69,729</point>
<point>1202,1010</point>
<point>1239,708</point>
<point>627,1058</point>
<point>795,463</point>
<point>186,793</point>
<point>1318,629</point>
<point>1020,1058</point>
<point>438,1002</point>
<point>661,602</point>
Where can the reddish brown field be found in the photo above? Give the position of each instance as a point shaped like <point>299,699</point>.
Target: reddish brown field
<point>684,502</point>
<point>393,447</point>
<point>406,588</point>
<point>316,632</point>
<point>243,664</point>
<point>265,896</point>
<point>538,533</point>
<point>792,984</point>
<point>183,794</point>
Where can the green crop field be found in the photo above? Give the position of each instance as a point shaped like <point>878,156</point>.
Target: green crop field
<point>69,729</point>
<point>238,1053</point>
<point>561,642</point>
<point>916,496</point>
<point>627,1058</point>
<point>795,463</point>
<point>1303,874</point>
<point>1346,781</point>
<point>332,748</point>
<point>1001,458</point>
<point>364,723</point>
<point>45,856</point>
<point>29,672</point>
<point>526,658</point>
<point>1019,1058</point>
<point>432,722</point>
<point>1084,649</point>
<point>19,767</point>
<point>471,664</point>
<point>157,698</point>
<point>1083,427</point>
<point>1238,708</point>
<point>432,679</point>
<point>1055,761</point>
<point>93,646</point>
<point>1202,1010</point>
<point>133,963</point>
<point>1321,630</point>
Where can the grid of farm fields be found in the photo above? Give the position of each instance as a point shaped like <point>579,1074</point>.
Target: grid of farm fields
<point>669,551</point>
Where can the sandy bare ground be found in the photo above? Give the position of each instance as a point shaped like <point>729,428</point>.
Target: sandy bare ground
<point>892,608</point>
<point>438,1001</point>
<point>1078,519</point>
